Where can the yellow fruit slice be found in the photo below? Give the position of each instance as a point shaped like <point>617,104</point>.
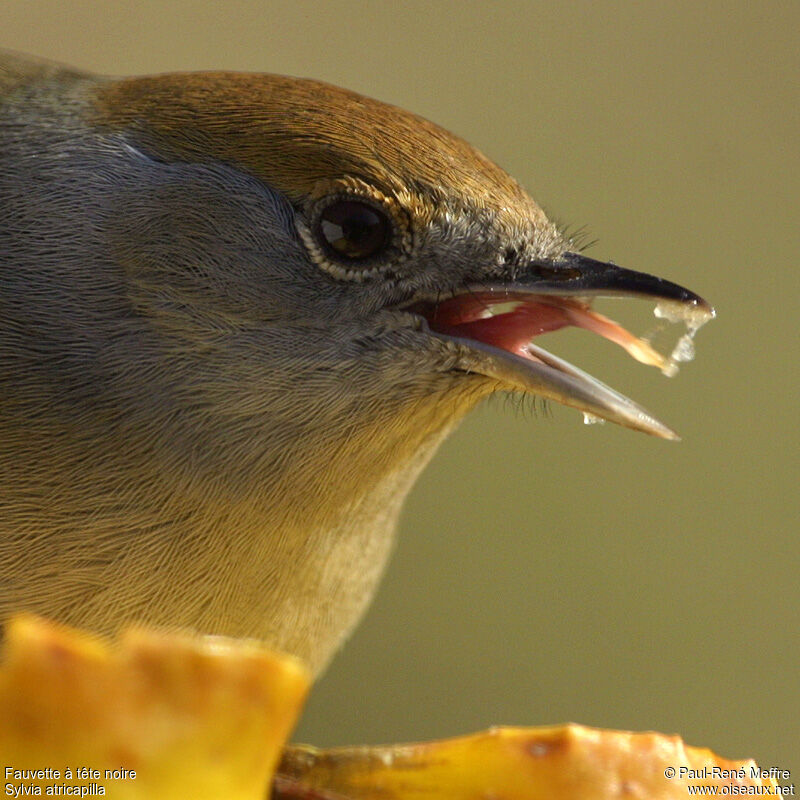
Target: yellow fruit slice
<point>170,717</point>
<point>569,762</point>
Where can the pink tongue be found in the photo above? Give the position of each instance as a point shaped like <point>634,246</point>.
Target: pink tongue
<point>511,331</point>
<point>514,329</point>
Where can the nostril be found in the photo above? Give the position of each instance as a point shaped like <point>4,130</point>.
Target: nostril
<point>555,273</point>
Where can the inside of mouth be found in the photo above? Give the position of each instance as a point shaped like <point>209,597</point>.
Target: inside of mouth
<point>511,320</point>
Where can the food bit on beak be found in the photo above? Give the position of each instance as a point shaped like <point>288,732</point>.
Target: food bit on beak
<point>694,317</point>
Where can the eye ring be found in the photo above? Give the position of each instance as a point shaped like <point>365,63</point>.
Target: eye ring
<point>353,231</point>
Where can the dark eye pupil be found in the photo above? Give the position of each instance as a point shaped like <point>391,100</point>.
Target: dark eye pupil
<point>354,230</point>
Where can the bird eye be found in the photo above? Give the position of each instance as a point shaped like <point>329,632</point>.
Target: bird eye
<point>353,230</point>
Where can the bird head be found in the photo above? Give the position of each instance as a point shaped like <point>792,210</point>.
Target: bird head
<point>396,236</point>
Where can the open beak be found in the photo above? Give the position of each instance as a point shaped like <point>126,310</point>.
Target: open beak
<point>493,326</point>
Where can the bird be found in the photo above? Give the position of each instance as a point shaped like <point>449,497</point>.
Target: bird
<point>239,312</point>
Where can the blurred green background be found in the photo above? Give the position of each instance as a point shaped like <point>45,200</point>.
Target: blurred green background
<point>547,571</point>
